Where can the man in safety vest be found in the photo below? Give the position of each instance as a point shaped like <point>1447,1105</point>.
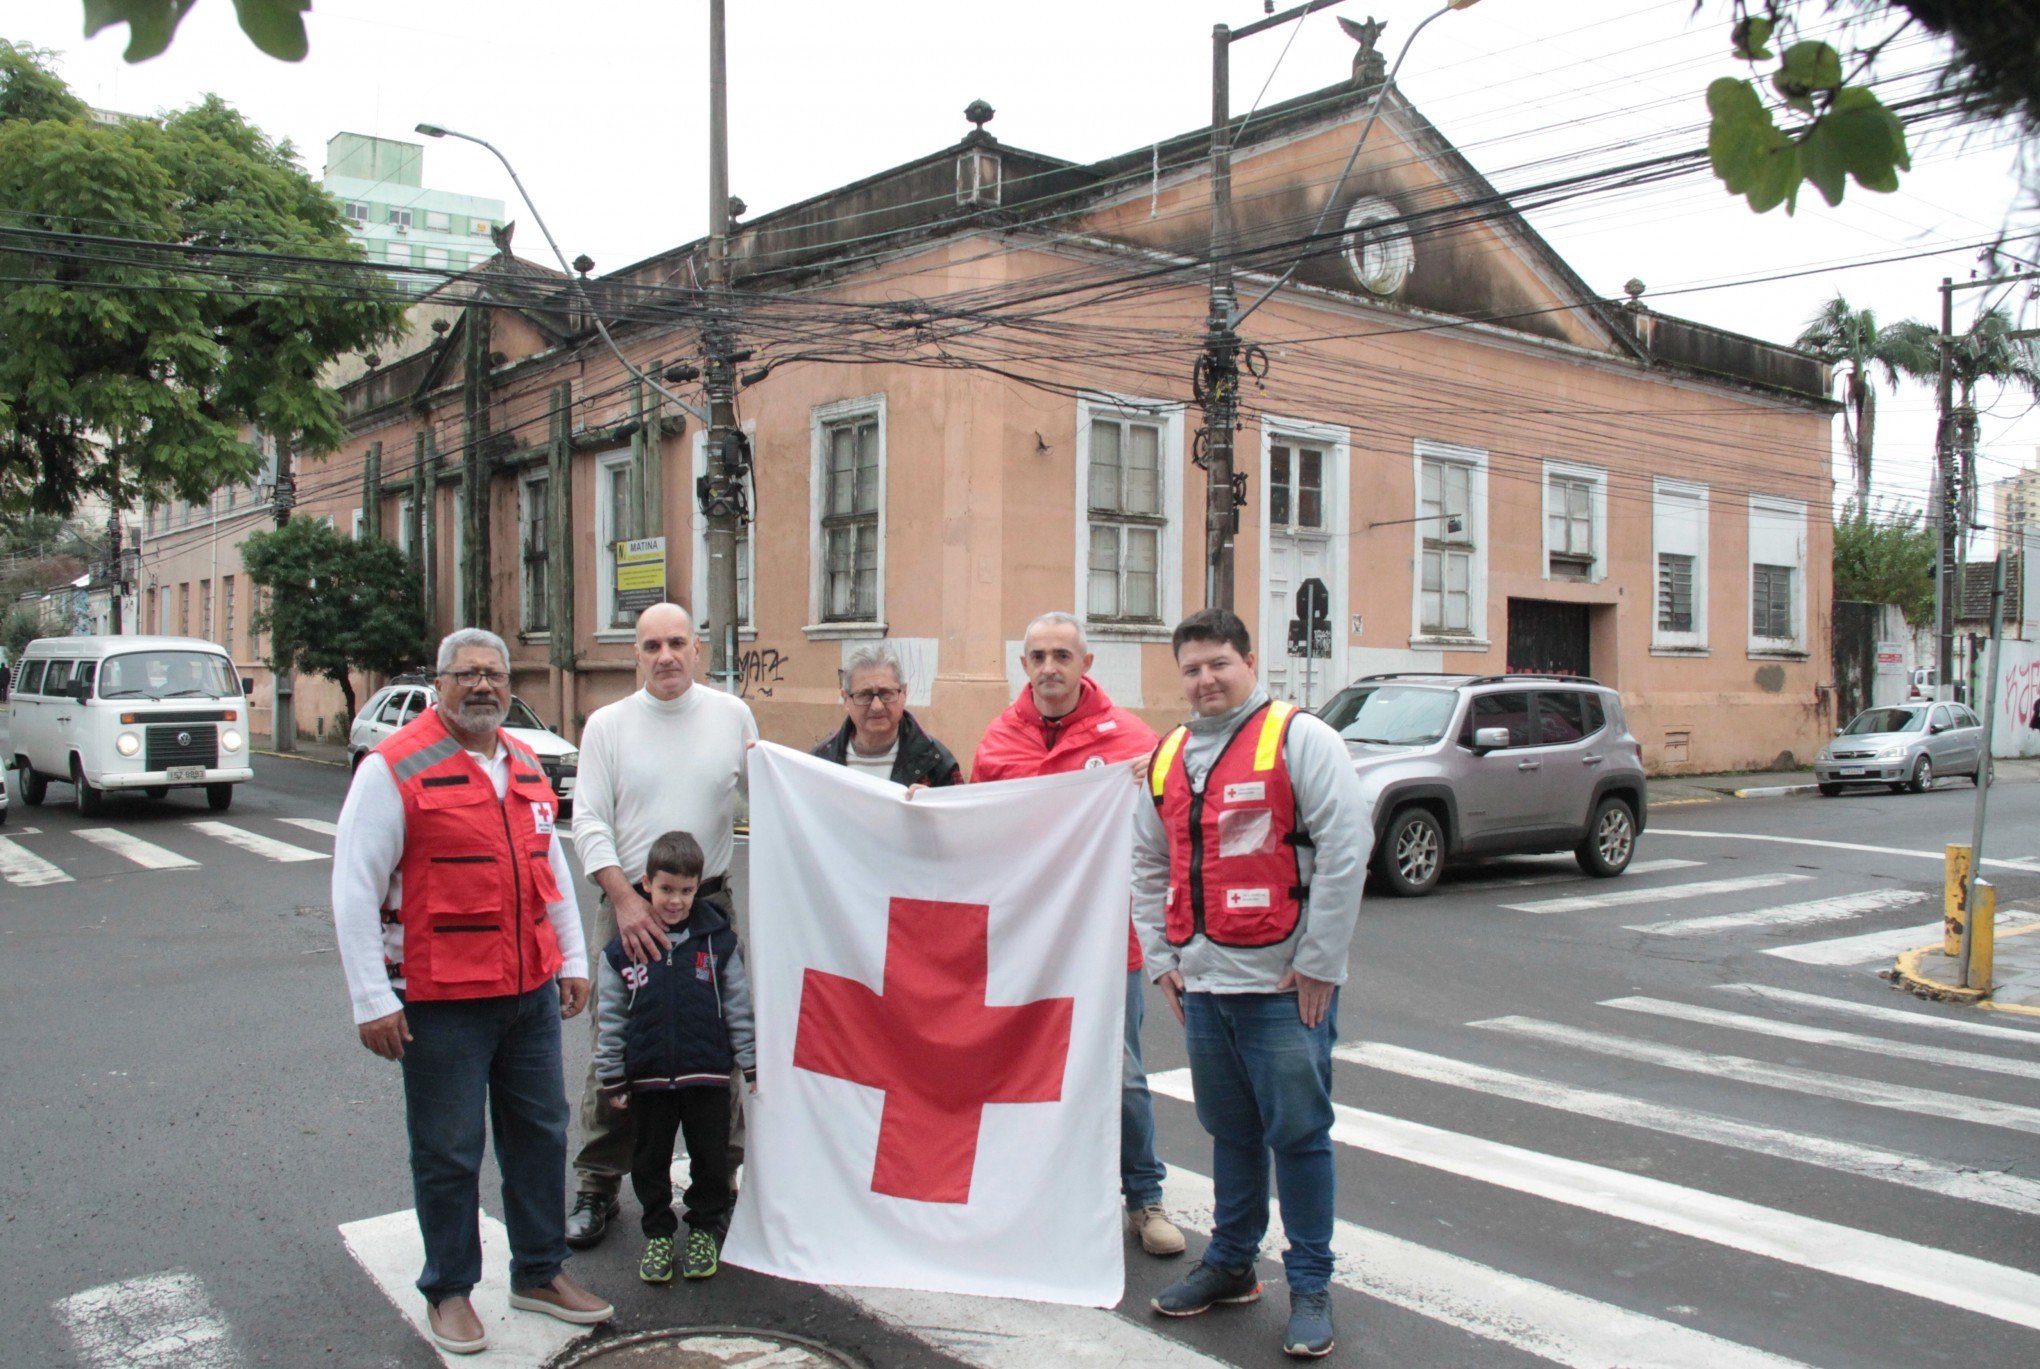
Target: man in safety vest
<point>1064,721</point>
<point>1248,862</point>
<point>461,940</point>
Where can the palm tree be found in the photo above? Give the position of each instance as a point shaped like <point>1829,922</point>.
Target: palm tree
<point>1988,351</point>
<point>1850,340</point>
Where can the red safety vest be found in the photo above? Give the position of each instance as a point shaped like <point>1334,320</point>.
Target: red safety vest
<point>1235,875</point>
<point>476,877</point>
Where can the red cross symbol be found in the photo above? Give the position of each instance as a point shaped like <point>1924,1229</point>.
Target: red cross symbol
<point>933,1045</point>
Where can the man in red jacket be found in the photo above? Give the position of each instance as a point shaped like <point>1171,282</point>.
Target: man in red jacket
<point>1064,721</point>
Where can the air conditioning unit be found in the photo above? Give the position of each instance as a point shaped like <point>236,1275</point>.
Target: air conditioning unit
<point>402,227</point>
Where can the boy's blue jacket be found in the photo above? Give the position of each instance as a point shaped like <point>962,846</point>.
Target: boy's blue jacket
<point>679,1022</point>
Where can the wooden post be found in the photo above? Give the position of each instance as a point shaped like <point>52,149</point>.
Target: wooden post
<point>559,527</point>
<point>371,493</point>
<point>475,470</point>
<point>428,528</point>
<point>651,520</point>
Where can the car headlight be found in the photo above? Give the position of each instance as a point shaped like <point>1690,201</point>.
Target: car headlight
<point>128,744</point>
<point>570,761</point>
<point>230,740</point>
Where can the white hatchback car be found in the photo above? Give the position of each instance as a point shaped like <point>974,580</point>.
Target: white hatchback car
<point>390,707</point>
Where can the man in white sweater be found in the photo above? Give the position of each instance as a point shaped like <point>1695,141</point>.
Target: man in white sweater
<point>669,758</point>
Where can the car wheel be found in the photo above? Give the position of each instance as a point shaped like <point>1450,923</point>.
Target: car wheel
<point>1831,789</point>
<point>1922,776</point>
<point>355,764</point>
<point>33,786</point>
<point>1412,853</point>
<point>219,797</point>
<point>1611,839</point>
<point>87,798</point>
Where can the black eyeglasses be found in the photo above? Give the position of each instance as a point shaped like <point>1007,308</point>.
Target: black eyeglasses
<point>468,679</point>
<point>865,698</point>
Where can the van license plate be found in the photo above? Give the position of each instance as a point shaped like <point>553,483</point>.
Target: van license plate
<point>179,774</point>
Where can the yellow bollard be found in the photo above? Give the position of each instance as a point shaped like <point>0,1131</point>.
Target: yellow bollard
<point>1982,936</point>
<point>1956,877</point>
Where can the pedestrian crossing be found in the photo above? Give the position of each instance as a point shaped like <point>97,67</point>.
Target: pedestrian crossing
<point>36,857</point>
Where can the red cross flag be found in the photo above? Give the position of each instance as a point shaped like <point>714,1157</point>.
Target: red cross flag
<point>940,989</point>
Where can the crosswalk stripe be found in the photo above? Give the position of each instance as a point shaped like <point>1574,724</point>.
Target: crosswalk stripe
<point>1536,1318</point>
<point>161,1321</point>
<point>1565,876</point>
<point>319,825</point>
<point>1877,1094</point>
<point>1933,1020</point>
<point>1620,898</point>
<point>256,844</point>
<point>1826,1036</point>
<point>1870,1162</point>
<point>20,866</point>
<point>2015,863</point>
<point>1788,914</point>
<point>1960,1281</point>
<point>1861,950</point>
<point>146,854</point>
<point>392,1252</point>
<point>1010,1333</point>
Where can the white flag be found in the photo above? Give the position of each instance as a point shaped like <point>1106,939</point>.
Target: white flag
<point>940,988</point>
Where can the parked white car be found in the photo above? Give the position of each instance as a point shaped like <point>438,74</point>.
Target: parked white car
<point>105,714</point>
<point>390,707</point>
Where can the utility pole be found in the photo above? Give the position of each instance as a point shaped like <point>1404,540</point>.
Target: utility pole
<point>283,704</point>
<point>1946,593</point>
<point>116,564</point>
<point>1215,381</point>
<point>721,491</point>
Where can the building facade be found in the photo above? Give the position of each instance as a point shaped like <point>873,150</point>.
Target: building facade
<point>397,219</point>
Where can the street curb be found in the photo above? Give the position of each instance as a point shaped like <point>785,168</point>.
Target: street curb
<point>294,756</point>
<point>1681,803</point>
<point>1772,791</point>
<point>1906,973</point>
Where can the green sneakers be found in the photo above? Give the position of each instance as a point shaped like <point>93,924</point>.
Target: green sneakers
<point>702,1249</point>
<point>657,1265</point>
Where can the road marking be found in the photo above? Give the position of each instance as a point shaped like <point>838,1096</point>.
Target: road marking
<point>1789,914</point>
<point>267,847</point>
<point>161,1321</point>
<point>1961,1281</point>
<point>1827,1036</point>
<point>146,854</point>
<point>19,866</point>
<point>2025,863</point>
<point>1883,1014</point>
<point>319,825</point>
<point>392,1252</point>
<point>1870,1162</point>
<point>1621,898</point>
<point>1898,1097</point>
<point>1536,1318</point>
<point>1008,1333</point>
<point>1570,875</point>
<point>1861,950</point>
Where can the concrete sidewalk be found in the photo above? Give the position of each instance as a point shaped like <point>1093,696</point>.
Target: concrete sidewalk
<point>2015,973</point>
<point>1671,789</point>
<point>317,753</point>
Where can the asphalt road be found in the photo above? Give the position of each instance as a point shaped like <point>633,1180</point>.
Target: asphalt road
<point>1573,1131</point>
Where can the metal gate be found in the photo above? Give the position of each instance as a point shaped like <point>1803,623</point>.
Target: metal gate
<point>1549,638</point>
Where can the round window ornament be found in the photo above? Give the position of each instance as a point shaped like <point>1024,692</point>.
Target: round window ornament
<point>1381,258</point>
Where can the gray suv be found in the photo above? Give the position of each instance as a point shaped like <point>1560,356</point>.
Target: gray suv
<point>1486,765</point>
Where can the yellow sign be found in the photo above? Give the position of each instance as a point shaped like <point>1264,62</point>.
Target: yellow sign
<point>640,573</point>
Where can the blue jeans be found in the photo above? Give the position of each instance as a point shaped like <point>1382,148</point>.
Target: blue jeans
<point>499,1056</point>
<point>1263,1083</point>
<point>1140,1173</point>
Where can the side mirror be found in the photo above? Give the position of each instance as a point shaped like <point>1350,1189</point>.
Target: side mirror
<point>1840,730</point>
<point>247,685</point>
<point>1490,738</point>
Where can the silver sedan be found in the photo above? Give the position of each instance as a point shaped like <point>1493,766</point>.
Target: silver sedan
<point>1905,746</point>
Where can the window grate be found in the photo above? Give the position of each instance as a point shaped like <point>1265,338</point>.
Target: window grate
<point>1675,592</point>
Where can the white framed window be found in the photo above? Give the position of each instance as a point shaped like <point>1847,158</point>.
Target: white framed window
<point>534,525</point>
<point>227,613</point>
<point>438,258</point>
<point>1777,576</point>
<point>847,538</point>
<point>1678,515</point>
<point>439,221</point>
<point>1575,522</point>
<point>746,619</point>
<point>615,521</point>
<point>205,609</point>
<point>354,211</point>
<point>1129,516</point>
<point>400,219</point>
<point>404,507</point>
<point>459,580</point>
<point>360,521</point>
<point>1449,601</point>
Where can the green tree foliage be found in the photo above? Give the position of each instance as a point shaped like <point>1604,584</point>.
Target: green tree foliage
<point>140,338</point>
<point>1850,340</point>
<point>17,630</point>
<point>1887,559</point>
<point>275,26</point>
<point>334,605</point>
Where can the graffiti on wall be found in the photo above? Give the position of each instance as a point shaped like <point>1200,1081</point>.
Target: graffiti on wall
<point>2013,731</point>
<point>759,671</point>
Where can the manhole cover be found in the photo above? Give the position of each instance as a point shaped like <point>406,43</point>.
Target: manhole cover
<point>710,1347</point>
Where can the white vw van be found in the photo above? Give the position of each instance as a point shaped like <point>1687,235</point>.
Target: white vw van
<point>113,713</point>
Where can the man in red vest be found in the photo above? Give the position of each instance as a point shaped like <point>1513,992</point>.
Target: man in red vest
<point>461,940</point>
<point>1064,721</point>
<point>1247,869</point>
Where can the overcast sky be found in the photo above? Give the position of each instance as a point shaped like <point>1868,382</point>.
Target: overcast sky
<point>601,104</point>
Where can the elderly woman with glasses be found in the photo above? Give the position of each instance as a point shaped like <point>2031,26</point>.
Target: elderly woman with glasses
<point>878,735</point>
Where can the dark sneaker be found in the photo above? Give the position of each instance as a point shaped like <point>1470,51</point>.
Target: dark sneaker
<point>657,1265</point>
<point>1204,1286</point>
<point>1310,1324</point>
<point>702,1250</point>
<point>588,1220</point>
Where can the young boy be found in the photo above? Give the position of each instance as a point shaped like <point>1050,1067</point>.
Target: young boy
<point>672,1029</point>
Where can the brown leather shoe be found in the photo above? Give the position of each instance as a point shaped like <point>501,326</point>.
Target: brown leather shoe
<point>564,1299</point>
<point>455,1327</point>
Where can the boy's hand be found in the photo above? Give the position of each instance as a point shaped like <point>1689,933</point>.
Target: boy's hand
<point>619,1101</point>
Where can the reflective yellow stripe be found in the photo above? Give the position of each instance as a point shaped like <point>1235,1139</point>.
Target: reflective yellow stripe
<point>1165,758</point>
<point>1271,734</point>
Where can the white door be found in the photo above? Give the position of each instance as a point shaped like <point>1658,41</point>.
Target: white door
<point>1301,548</point>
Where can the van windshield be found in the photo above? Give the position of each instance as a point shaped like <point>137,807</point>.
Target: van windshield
<point>168,675</point>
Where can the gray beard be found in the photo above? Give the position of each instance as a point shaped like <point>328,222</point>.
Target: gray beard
<point>477,716</point>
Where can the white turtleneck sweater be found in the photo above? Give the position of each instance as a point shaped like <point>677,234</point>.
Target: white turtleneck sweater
<point>651,766</point>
